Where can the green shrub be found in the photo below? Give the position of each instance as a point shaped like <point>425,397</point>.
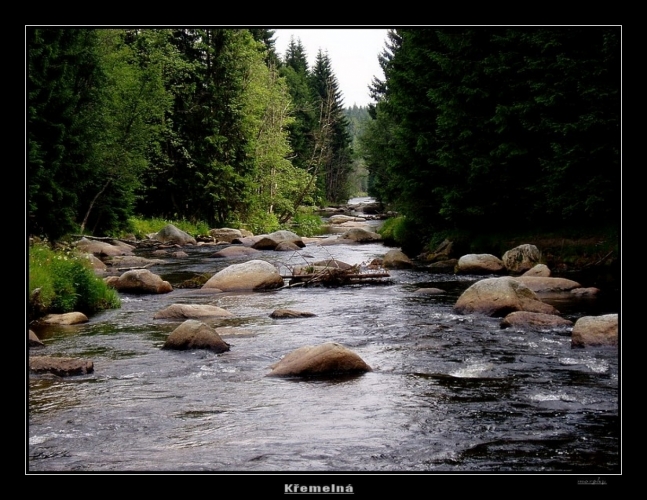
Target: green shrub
<point>305,224</point>
<point>67,283</point>
<point>262,222</point>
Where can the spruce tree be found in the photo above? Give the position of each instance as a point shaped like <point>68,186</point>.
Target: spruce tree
<point>336,141</point>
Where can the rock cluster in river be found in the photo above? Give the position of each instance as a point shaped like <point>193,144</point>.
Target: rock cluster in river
<point>514,298</point>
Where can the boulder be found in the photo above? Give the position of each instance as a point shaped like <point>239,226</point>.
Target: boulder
<point>443,266</point>
<point>193,334</point>
<point>500,297</point>
<point>96,263</point>
<point>360,235</point>
<point>540,284</point>
<point>525,319</point>
<point>290,313</point>
<point>247,241</point>
<point>396,259</point>
<point>189,311</point>
<point>483,263</point>
<point>287,246</point>
<point>101,248</point>
<point>172,235</point>
<point>337,240</point>
<point>71,318</point>
<point>332,263</point>
<point>225,234</point>
<point>122,244</point>
<point>250,275</point>
<point>324,359</point>
<point>541,270</point>
<point>595,331</point>
<point>340,219</point>
<point>270,241</point>
<point>63,367</point>
<point>368,208</point>
<point>443,251</point>
<point>139,281</point>
<point>33,340</point>
<point>235,251</point>
<point>521,258</point>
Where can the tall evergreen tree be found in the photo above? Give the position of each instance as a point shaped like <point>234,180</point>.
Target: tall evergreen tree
<point>64,79</point>
<point>206,151</point>
<point>295,71</point>
<point>479,125</point>
<point>338,158</point>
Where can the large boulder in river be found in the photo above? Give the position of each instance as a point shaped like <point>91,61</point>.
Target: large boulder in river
<point>525,319</point>
<point>540,284</point>
<point>172,235</point>
<point>324,359</point>
<point>235,251</point>
<point>225,234</point>
<point>541,270</point>
<point>290,313</point>
<point>521,258</point>
<point>483,263</point>
<point>499,297</point>
<point>595,331</point>
<point>193,334</point>
<point>139,281</point>
<point>360,235</point>
<point>101,248</point>
<point>247,276</point>
<point>71,318</point>
<point>63,367</point>
<point>191,311</point>
<point>271,241</point>
<point>396,259</point>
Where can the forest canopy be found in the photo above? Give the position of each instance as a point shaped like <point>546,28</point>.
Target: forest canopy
<point>472,128</point>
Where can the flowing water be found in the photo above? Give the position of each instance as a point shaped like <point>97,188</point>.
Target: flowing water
<point>448,392</point>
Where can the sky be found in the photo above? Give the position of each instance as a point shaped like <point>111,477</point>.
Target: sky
<point>352,52</point>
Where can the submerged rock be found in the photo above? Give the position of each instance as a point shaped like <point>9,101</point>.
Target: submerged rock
<point>63,367</point>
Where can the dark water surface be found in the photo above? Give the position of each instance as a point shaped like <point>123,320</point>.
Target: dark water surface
<point>448,392</point>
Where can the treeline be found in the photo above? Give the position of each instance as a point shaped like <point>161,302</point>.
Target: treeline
<point>197,124</point>
<point>479,129</point>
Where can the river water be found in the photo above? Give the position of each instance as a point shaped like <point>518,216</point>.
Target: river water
<point>448,393</point>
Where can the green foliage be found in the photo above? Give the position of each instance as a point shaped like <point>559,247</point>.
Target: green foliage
<point>475,126</point>
<point>67,283</point>
<point>262,223</point>
<point>403,232</point>
<point>140,227</point>
<point>64,81</point>
<point>305,223</point>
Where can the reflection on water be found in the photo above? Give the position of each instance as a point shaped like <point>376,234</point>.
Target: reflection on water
<point>448,393</point>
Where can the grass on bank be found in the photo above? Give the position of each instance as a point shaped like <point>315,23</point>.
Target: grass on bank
<point>65,282</point>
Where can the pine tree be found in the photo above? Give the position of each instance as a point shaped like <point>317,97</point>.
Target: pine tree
<point>338,157</point>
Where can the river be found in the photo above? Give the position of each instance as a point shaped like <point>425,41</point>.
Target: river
<point>448,393</point>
